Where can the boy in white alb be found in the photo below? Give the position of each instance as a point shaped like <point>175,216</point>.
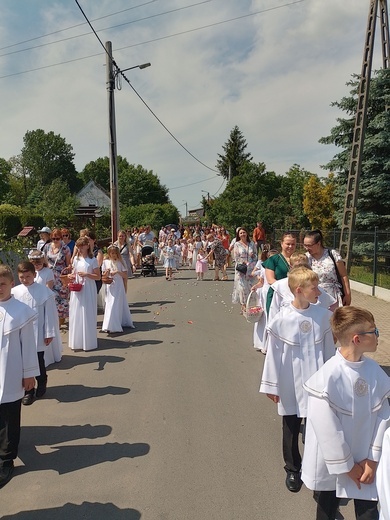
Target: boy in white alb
<point>283,296</point>
<point>299,342</point>
<point>41,299</point>
<point>348,413</point>
<point>383,478</point>
<point>18,366</point>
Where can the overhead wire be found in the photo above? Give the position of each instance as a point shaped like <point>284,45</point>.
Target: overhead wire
<point>118,71</point>
<point>76,25</point>
<point>104,28</point>
<point>153,40</point>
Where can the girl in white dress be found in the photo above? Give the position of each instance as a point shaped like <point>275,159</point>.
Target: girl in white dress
<point>43,275</point>
<point>116,312</point>
<point>83,304</point>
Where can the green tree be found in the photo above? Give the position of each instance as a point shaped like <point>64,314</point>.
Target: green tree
<point>292,186</point>
<point>253,195</point>
<point>373,207</point>
<point>235,157</point>
<point>5,170</point>
<point>318,202</point>
<point>138,186</point>
<point>99,171</point>
<point>156,215</point>
<point>45,157</point>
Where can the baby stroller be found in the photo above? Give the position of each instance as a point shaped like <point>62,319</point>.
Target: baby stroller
<point>148,259</point>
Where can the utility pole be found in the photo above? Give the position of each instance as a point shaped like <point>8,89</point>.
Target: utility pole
<point>111,75</point>
<point>352,191</point>
<point>114,196</point>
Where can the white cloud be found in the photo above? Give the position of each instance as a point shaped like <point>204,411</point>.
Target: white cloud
<point>273,74</point>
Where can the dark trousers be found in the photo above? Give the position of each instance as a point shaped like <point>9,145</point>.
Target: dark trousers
<point>290,430</point>
<point>327,504</point>
<point>9,432</point>
<point>42,378</point>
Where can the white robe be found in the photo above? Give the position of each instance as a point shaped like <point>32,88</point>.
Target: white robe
<point>383,478</point>
<point>42,300</point>
<point>44,276</point>
<point>18,351</point>
<point>299,342</point>
<point>116,312</point>
<point>259,328</point>
<point>283,296</point>
<point>83,308</point>
<point>348,413</point>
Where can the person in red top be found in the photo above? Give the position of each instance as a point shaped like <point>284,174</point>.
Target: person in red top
<point>259,236</point>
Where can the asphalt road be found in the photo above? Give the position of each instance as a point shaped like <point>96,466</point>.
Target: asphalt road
<point>163,422</point>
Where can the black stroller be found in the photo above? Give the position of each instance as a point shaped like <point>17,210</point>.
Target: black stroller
<point>148,260</point>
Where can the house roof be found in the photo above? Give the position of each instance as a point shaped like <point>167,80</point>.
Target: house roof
<point>27,231</point>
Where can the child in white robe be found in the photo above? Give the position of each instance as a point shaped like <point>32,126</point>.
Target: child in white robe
<point>348,413</point>
<point>383,478</point>
<point>18,367</point>
<point>41,299</point>
<point>116,311</point>
<point>299,342</point>
<point>43,275</point>
<point>283,296</point>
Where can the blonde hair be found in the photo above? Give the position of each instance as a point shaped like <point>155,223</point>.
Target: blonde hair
<point>301,276</point>
<point>6,272</point>
<point>347,321</point>
<point>299,260</point>
<point>114,248</point>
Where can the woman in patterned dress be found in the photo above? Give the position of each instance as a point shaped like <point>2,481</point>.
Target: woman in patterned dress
<point>58,257</point>
<point>329,266</point>
<point>244,252</point>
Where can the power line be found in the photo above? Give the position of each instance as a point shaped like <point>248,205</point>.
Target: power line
<point>118,71</point>
<point>74,26</point>
<point>154,40</point>
<point>104,29</point>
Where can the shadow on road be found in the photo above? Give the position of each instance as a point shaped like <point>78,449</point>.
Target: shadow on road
<point>76,393</point>
<point>84,511</point>
<point>67,362</point>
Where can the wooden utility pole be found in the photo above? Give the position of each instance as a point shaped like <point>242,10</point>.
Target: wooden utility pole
<point>352,190</point>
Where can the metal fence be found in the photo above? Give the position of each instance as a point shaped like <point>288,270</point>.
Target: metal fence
<point>370,263</point>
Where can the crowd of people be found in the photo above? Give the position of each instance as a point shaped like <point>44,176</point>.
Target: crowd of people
<point>313,340</point>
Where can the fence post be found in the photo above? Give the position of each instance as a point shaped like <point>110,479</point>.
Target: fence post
<point>375,270</point>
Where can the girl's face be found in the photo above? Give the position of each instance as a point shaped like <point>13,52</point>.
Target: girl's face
<point>170,242</point>
<point>122,237</point>
<point>113,254</point>
<point>38,264</point>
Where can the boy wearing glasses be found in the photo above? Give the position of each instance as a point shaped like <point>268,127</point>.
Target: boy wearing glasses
<point>348,413</point>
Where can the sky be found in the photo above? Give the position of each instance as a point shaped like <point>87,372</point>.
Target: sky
<point>271,67</point>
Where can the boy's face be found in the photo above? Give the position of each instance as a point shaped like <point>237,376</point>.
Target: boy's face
<point>367,338</point>
<point>5,288</point>
<point>310,292</point>
<point>26,278</point>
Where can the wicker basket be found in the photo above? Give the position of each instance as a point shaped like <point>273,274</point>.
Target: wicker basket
<point>107,279</point>
<point>64,276</point>
<point>253,312</point>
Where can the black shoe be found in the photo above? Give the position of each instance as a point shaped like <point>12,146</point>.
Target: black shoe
<point>293,481</point>
<point>41,389</point>
<point>28,399</point>
<point>6,474</point>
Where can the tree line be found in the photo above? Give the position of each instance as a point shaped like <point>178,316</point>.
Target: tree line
<point>39,185</point>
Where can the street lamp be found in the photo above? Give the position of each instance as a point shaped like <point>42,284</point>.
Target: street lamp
<point>114,197</point>
<point>208,195</point>
<point>186,207</point>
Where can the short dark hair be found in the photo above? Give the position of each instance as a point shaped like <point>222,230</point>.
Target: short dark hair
<point>316,235</point>
<point>26,267</point>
